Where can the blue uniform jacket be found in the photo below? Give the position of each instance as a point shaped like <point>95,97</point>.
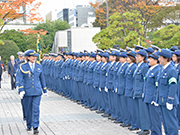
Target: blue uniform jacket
<point>82,71</point>
<point>74,66</point>
<point>178,71</point>
<point>90,73</point>
<point>129,80</point>
<point>150,88</point>
<point>116,68</point>
<point>86,66</point>
<point>167,86</point>
<point>103,75</point>
<point>97,78</point>
<point>109,80</point>
<point>121,80</point>
<point>78,68</point>
<point>31,82</point>
<point>139,76</point>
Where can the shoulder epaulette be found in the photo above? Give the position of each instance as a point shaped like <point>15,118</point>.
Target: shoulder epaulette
<point>25,72</point>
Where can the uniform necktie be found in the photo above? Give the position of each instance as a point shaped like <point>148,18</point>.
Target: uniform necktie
<point>32,67</point>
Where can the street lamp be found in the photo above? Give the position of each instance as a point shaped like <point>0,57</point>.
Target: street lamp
<point>107,13</point>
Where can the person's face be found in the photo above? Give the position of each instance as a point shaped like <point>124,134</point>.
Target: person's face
<point>79,58</point>
<point>174,58</point>
<point>92,59</point>
<point>162,60</point>
<point>12,58</point>
<point>152,61</point>
<point>129,60</point>
<point>83,58</point>
<point>98,58</point>
<point>104,59</point>
<point>122,59</point>
<point>139,58</point>
<point>32,59</point>
<point>87,58</point>
<point>111,58</point>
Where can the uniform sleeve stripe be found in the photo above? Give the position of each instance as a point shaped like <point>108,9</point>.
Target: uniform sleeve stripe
<point>172,80</point>
<point>20,87</point>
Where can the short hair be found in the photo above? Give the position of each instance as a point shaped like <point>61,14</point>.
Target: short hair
<point>12,56</point>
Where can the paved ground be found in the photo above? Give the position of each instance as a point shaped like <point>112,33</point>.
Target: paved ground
<point>59,116</point>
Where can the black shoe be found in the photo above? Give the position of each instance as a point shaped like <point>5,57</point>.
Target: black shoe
<point>111,118</point>
<point>87,107</point>
<point>106,115</point>
<point>98,112</point>
<point>143,132</point>
<point>117,122</point>
<point>36,131</point>
<point>132,129</point>
<point>24,118</point>
<point>92,109</point>
<point>79,103</point>
<point>84,105</point>
<point>28,129</point>
<point>125,125</point>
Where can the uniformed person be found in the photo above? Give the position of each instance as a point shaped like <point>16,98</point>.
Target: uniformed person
<point>102,84</point>
<point>31,84</point>
<point>150,91</point>
<point>167,93</point>
<point>131,105</point>
<point>176,59</point>
<point>139,76</point>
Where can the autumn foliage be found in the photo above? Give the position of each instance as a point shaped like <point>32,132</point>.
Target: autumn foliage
<point>14,9</point>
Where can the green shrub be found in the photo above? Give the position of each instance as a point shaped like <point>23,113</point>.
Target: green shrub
<point>9,48</point>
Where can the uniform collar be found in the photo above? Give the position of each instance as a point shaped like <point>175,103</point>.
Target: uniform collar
<point>164,67</point>
<point>151,68</point>
<point>140,64</point>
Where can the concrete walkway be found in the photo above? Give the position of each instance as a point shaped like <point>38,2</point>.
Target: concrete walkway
<point>58,116</point>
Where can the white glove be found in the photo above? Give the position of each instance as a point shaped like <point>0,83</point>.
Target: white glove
<point>152,102</point>
<point>106,89</point>
<point>169,106</point>
<point>21,94</point>
<point>45,94</point>
<point>99,89</point>
<point>142,95</point>
<point>94,86</point>
<point>116,90</point>
<point>17,89</point>
<point>156,104</point>
<point>133,97</point>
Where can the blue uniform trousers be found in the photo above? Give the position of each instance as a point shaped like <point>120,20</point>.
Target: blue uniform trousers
<point>155,119</point>
<point>132,108</point>
<point>113,104</point>
<point>143,115</point>
<point>119,108</point>
<point>86,94</point>
<point>76,88</point>
<point>110,96</point>
<point>70,88</point>
<point>170,121</point>
<point>80,86</point>
<point>23,108</point>
<point>69,91</point>
<point>59,86</point>
<point>32,111</point>
<point>125,112</point>
<point>89,87</point>
<point>62,86</point>
<point>82,100</point>
<point>94,97</point>
<point>178,114</point>
<point>100,99</point>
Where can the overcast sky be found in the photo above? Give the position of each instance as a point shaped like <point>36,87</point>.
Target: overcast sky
<point>49,5</point>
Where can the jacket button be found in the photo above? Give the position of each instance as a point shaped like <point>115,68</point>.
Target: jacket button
<point>32,86</point>
<point>32,75</point>
<point>32,83</point>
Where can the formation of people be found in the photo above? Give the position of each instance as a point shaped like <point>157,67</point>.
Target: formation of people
<point>138,88</point>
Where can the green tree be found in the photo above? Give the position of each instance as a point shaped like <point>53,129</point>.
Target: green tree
<point>51,27</point>
<point>9,48</point>
<point>167,36</point>
<point>124,29</point>
<point>18,37</point>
